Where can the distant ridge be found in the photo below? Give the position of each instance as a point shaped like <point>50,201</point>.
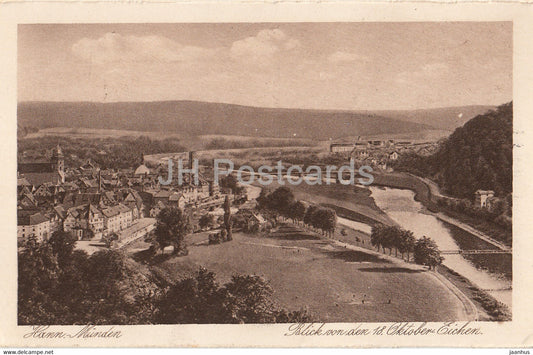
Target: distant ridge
<point>200,118</point>
<point>445,118</point>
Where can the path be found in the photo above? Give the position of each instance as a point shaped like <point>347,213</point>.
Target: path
<point>441,216</point>
<point>435,191</point>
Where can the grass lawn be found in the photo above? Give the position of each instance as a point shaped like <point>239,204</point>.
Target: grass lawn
<point>330,280</point>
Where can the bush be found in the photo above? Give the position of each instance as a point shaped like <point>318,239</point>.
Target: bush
<point>201,300</point>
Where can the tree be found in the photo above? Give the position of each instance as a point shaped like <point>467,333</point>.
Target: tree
<point>109,239</point>
<point>406,243</point>
<point>264,200</point>
<point>200,299</point>
<point>478,155</point>
<point>231,182</point>
<point>62,243</point>
<point>310,215</point>
<point>391,237</point>
<point>38,273</point>
<point>227,218</point>
<point>297,210</point>
<point>427,253</point>
<point>171,228</point>
<point>249,299</point>
<point>206,221</point>
<point>281,200</point>
<point>377,235</point>
<point>193,300</point>
<point>327,220</point>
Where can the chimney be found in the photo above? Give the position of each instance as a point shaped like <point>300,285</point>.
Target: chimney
<point>99,180</point>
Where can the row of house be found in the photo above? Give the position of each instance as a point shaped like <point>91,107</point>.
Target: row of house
<point>92,203</point>
<point>84,221</point>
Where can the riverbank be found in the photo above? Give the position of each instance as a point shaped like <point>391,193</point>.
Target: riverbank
<point>411,215</point>
<point>406,184</point>
<point>477,303</point>
<point>428,193</point>
<point>488,307</point>
<point>405,181</point>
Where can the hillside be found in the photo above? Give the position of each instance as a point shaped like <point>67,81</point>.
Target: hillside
<point>445,118</point>
<point>478,155</point>
<point>200,118</point>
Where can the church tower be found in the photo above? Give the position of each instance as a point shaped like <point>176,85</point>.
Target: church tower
<point>58,162</point>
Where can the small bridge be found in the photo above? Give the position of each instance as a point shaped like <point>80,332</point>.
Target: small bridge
<point>483,251</point>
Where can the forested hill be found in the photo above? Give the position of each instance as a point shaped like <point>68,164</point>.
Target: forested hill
<point>478,155</point>
<point>201,118</point>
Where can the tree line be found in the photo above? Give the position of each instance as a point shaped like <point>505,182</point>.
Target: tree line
<point>424,250</point>
<point>283,203</point>
<point>478,155</point>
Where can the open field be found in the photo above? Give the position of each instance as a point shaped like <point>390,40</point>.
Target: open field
<point>328,279</point>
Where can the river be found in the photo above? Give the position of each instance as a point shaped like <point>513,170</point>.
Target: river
<point>401,206</point>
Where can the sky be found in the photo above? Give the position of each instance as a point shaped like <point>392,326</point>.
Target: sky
<point>349,66</point>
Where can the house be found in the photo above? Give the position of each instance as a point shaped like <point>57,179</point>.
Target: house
<point>89,169</point>
<point>111,219</point>
<point>161,195</point>
<point>40,171</point>
<point>89,185</point>
<point>361,153</point>
<point>117,218</point>
<point>204,189</point>
<point>341,147</point>
<point>176,199</point>
<point>189,192</point>
<point>33,224</point>
<point>360,145</point>
<point>26,201</point>
<point>483,198</point>
<point>78,199</point>
<point>142,170</point>
<point>134,201</point>
<point>158,206</point>
<point>23,183</point>
<point>394,155</point>
<point>42,191</point>
<point>86,222</point>
<point>376,143</point>
<point>403,143</point>
<point>125,216</point>
<point>254,222</point>
<point>56,215</point>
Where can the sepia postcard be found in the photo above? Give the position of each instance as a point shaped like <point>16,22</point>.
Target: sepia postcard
<point>266,175</point>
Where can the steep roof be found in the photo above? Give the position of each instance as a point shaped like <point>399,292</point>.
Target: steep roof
<point>142,170</point>
<point>37,179</point>
<point>23,182</point>
<point>24,219</point>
